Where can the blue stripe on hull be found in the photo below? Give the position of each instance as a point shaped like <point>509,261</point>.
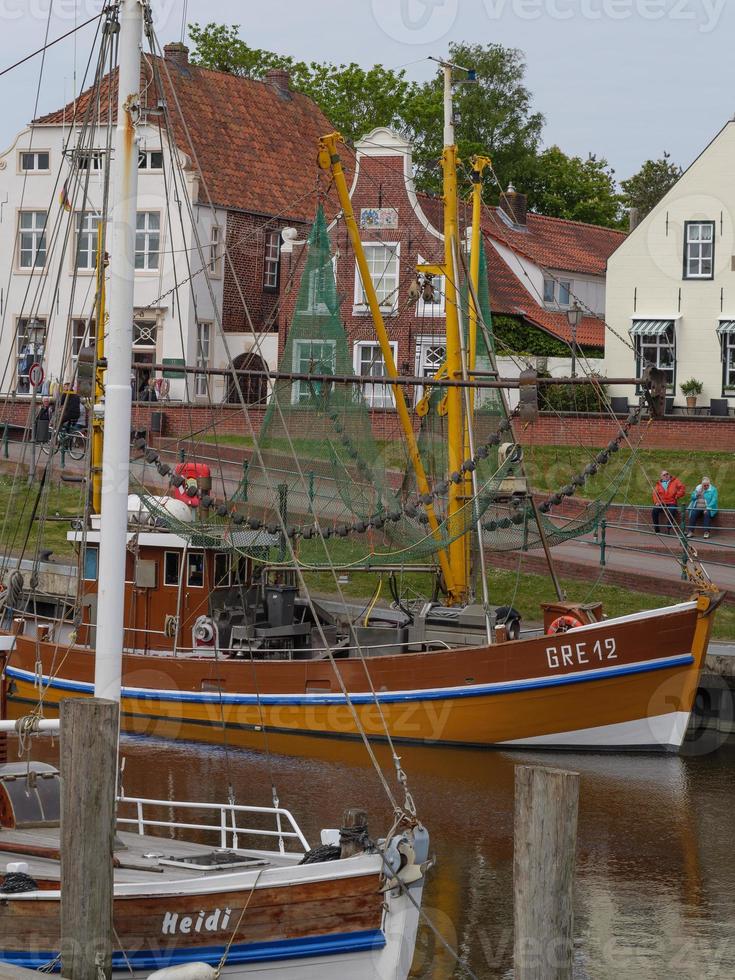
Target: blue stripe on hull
<point>271,952</point>
<point>384,697</point>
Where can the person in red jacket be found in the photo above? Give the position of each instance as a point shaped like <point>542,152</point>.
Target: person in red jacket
<point>666,497</point>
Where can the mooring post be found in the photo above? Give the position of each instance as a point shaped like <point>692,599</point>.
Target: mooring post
<point>354,832</point>
<point>603,543</point>
<point>6,441</point>
<point>89,735</point>
<point>545,841</point>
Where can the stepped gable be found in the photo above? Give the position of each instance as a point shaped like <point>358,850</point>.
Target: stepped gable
<point>255,141</point>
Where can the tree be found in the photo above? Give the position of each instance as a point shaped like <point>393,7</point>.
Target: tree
<point>494,116</point>
<point>652,182</point>
<point>573,188</point>
<point>355,100</point>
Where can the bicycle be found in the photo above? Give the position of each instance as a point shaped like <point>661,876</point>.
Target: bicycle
<point>69,439</point>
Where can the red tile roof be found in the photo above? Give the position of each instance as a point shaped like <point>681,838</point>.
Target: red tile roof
<point>554,243</point>
<point>256,145</point>
<point>508,296</point>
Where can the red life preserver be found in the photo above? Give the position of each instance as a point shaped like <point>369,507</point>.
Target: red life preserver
<point>563,624</point>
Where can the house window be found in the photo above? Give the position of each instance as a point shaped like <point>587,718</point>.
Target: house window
<point>171,568</point>
<point>311,357</point>
<point>88,159</point>
<point>431,353</point>
<point>87,232</point>
<point>699,250</point>
<point>147,240</point>
<point>150,160</point>
<point>557,293</point>
<point>221,571</point>
<point>728,359</point>
<point>204,342</point>
<point>369,363</point>
<point>215,251</point>
<point>431,302</point>
<point>32,239</point>
<point>272,262</point>
<point>35,161</point>
<point>31,344</point>
<point>659,350</point>
<point>195,570</point>
<point>145,333</point>
<point>383,263</point>
<point>91,563</point>
<point>83,334</point>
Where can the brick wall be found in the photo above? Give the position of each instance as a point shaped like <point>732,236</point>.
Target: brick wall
<point>675,432</point>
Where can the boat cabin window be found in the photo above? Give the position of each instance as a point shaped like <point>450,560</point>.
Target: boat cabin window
<point>222,571</point>
<point>91,563</point>
<point>241,570</point>
<point>195,570</point>
<point>171,568</point>
<point>30,796</point>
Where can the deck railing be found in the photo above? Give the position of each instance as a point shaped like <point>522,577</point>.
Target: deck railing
<point>225,825</point>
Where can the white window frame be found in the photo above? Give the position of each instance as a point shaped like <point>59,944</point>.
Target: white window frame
<point>203,357</point>
<point>423,370</point>
<point>82,218</point>
<point>35,323</point>
<point>147,232</point>
<point>147,166</point>
<point>83,159</point>
<point>693,239</point>
<point>216,252</point>
<point>377,395</point>
<point>659,345</point>
<point>299,390</point>
<point>728,361</point>
<point>549,291</point>
<point>557,286</point>
<point>83,334</point>
<point>39,244</point>
<point>272,260</point>
<point>390,303</point>
<point>433,309</point>
<point>35,169</point>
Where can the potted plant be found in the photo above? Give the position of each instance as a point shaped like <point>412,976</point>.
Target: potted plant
<point>691,389</point>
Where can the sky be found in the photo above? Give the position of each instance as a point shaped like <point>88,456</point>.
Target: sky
<point>624,79</point>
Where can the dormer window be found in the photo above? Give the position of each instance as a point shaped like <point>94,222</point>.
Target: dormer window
<point>557,293</point>
<point>699,250</point>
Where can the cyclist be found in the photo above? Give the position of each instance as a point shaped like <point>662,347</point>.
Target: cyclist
<point>71,409</point>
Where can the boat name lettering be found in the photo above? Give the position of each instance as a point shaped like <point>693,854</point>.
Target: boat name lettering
<point>581,654</point>
<point>189,925</point>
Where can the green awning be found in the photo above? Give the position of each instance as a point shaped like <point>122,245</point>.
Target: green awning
<point>726,328</point>
<point>651,328</point>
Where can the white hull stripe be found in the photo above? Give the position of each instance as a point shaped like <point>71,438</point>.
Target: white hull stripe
<point>659,731</point>
<point>384,697</point>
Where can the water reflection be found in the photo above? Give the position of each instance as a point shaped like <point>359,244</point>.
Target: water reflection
<point>656,871</point>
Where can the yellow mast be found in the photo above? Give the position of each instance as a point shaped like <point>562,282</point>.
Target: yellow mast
<point>459,492</point>
<point>329,160</point>
<point>479,164</point>
<point>99,376</point>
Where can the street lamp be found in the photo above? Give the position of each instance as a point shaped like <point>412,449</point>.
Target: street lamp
<point>574,316</point>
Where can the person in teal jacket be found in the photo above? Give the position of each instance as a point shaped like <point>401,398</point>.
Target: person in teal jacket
<point>703,505</point>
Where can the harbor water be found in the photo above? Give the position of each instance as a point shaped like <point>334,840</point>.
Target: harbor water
<point>655,894</point>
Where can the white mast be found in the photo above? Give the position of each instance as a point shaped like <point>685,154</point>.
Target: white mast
<point>119,352</point>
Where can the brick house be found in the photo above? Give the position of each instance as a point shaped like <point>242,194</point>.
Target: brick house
<point>247,169</point>
<point>537,266</point>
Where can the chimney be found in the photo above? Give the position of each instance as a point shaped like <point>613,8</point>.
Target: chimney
<point>177,54</point>
<point>515,205</point>
<point>280,80</point>
<point>634,218</point>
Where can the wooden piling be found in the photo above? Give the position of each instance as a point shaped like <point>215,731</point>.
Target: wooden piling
<point>545,840</point>
<point>89,736</point>
<point>353,819</point>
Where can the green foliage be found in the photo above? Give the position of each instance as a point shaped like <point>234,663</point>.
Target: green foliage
<point>652,182</point>
<point>494,117</point>
<point>523,338</point>
<point>572,188</point>
<point>354,99</point>
<point>691,387</point>
<point>573,398</point>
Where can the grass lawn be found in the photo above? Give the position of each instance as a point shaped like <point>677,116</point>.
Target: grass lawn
<point>550,467</point>
<point>525,592</point>
<point>16,513</point>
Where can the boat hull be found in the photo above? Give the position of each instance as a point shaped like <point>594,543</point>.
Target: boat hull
<point>625,684</point>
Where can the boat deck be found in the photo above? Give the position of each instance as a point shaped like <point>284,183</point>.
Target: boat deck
<point>137,858</point>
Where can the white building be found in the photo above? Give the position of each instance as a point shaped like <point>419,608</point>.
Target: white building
<point>671,284</point>
<point>217,183</point>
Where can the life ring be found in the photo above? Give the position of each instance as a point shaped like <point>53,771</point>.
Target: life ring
<point>563,624</point>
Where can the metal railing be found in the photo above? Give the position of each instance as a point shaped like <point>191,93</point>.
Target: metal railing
<point>226,826</point>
